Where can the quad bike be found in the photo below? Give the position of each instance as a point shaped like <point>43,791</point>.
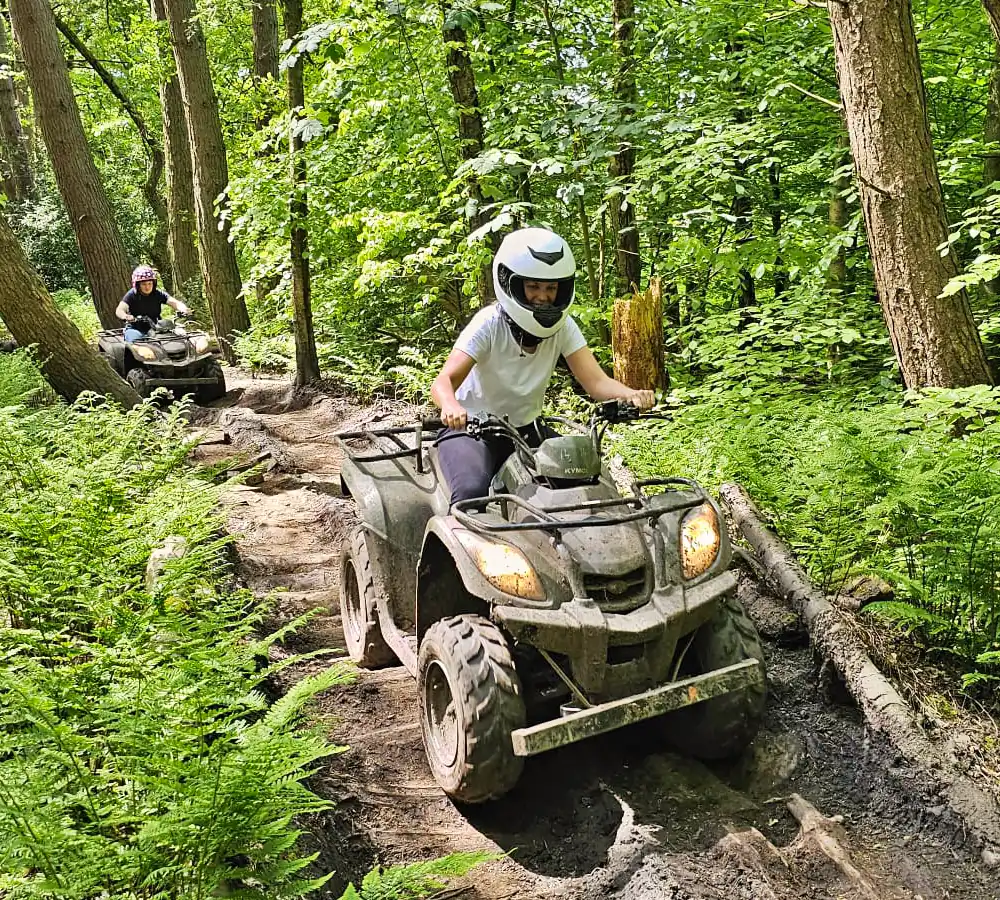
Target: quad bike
<point>167,356</point>
<point>550,611</point>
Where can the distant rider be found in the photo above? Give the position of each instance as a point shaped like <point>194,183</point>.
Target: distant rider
<point>145,299</point>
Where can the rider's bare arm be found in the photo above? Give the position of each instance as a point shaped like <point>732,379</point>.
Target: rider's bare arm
<point>601,386</point>
<point>122,312</point>
<point>455,370</point>
<point>179,305</point>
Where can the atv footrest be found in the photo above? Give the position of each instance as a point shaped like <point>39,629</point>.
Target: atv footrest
<point>617,713</point>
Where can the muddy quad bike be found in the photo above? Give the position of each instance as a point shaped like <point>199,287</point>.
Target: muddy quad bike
<point>550,611</point>
<point>167,356</point>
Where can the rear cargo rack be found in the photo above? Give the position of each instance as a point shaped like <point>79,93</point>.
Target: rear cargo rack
<point>393,433</point>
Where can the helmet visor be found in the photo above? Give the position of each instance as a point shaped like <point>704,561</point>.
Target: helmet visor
<point>546,299</point>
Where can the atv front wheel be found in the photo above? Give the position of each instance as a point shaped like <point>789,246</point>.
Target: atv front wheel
<point>723,726</point>
<point>358,611</point>
<point>470,702</point>
<point>139,379</point>
<point>209,392</point>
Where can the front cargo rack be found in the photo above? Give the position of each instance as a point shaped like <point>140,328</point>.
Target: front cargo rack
<point>643,505</point>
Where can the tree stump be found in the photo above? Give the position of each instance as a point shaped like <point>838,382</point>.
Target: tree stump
<point>637,339</point>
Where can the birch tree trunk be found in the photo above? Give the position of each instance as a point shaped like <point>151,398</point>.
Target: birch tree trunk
<point>878,68</point>
<point>90,213</point>
<point>217,255</point>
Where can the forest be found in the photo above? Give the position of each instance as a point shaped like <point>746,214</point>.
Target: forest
<point>807,193</point>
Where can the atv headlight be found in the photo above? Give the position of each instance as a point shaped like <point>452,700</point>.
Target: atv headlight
<point>143,352</point>
<point>699,540</point>
<point>503,566</point>
<point>200,342</point>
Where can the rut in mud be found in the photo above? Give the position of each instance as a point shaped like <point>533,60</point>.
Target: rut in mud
<point>615,817</point>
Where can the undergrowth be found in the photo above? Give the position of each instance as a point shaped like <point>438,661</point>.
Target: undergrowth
<point>140,754</point>
<point>905,487</point>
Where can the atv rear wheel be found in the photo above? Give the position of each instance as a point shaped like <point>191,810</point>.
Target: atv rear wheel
<point>206,393</point>
<point>724,726</point>
<point>470,702</point>
<point>139,379</point>
<point>358,611</point>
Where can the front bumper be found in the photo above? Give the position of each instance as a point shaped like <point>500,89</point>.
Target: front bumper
<point>617,713</point>
<point>615,655</point>
<point>183,381</point>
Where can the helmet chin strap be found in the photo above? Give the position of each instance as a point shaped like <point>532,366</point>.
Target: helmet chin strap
<point>525,340</point>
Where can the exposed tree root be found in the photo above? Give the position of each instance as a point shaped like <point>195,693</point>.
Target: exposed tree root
<point>821,841</point>
<point>247,431</point>
<point>831,633</point>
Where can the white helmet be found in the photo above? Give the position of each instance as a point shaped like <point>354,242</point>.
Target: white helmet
<point>534,254</point>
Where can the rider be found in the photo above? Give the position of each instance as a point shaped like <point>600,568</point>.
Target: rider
<point>503,360</point>
<point>145,299</point>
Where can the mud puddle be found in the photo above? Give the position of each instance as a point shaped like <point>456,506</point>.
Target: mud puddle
<point>615,817</point>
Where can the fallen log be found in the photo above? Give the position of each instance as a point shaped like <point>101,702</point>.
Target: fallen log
<point>832,635</point>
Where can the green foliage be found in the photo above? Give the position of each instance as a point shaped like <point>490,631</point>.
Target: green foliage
<point>907,489</point>
<point>414,881</point>
<point>139,755</point>
<point>79,309</point>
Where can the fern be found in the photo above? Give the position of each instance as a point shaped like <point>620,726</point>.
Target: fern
<point>416,880</point>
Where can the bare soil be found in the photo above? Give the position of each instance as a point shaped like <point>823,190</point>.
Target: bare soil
<point>615,817</point>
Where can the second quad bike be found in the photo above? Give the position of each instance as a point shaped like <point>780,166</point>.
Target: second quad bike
<point>552,610</point>
<point>167,356</point>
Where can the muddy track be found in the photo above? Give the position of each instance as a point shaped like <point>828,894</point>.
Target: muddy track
<point>616,817</point>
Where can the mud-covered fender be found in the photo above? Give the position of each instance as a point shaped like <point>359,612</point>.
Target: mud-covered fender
<point>448,582</point>
<point>359,485</point>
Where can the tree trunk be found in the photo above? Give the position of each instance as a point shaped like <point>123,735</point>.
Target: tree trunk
<point>154,151</point>
<point>18,180</point>
<point>637,339</point>
<point>264,23</point>
<point>623,225</point>
<point>264,27</point>
<point>69,363</point>
<point>836,276</point>
<point>90,212</point>
<point>742,207</point>
<point>462,82</point>
<point>306,361</point>
<point>878,68</point>
<point>219,271</point>
<point>780,272</point>
<point>181,215</point>
<point>991,122</point>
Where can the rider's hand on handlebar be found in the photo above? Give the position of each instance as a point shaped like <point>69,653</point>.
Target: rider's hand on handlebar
<point>453,415</point>
<point>640,399</point>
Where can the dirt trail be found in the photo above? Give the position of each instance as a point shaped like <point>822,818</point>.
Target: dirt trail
<point>615,817</point>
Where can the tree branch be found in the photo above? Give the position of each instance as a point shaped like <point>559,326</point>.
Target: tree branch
<point>837,106</point>
<point>152,145</point>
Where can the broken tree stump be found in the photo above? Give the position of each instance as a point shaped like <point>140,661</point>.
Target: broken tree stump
<point>637,339</point>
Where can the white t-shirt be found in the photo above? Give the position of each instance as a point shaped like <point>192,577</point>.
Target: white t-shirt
<point>504,381</point>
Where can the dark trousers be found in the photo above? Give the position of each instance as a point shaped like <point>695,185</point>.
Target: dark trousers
<point>469,464</point>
